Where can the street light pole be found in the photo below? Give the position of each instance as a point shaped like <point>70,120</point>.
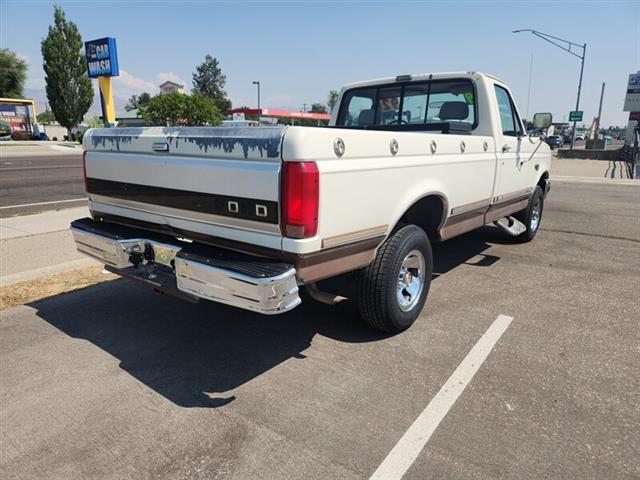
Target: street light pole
<point>566,46</point>
<point>259,111</point>
<point>573,137</point>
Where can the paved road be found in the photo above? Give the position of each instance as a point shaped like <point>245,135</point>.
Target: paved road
<point>29,179</point>
<point>115,382</point>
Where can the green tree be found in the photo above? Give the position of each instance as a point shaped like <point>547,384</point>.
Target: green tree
<point>13,73</point>
<point>178,109</point>
<point>94,122</point>
<point>135,101</point>
<point>47,117</point>
<point>208,80</point>
<point>68,87</point>
<point>163,109</point>
<point>318,108</point>
<point>333,99</point>
<point>201,110</point>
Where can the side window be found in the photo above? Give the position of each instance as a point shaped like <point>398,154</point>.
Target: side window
<point>358,108</point>
<point>508,115</point>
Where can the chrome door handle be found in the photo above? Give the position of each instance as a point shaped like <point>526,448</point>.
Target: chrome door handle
<point>160,147</point>
<point>506,148</point>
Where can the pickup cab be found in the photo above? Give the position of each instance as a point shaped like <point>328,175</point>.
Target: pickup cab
<point>246,216</point>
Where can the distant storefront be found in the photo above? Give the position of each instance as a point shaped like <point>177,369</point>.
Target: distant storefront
<point>130,119</point>
<point>19,114</point>
<point>270,115</point>
<point>171,87</point>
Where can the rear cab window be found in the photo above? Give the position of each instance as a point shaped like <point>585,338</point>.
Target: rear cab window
<point>411,104</point>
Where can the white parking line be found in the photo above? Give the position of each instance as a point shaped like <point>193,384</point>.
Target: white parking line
<point>413,441</point>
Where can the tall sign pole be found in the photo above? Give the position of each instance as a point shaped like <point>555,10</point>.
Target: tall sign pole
<point>102,63</point>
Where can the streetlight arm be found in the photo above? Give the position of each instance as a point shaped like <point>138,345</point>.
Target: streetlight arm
<point>550,38</point>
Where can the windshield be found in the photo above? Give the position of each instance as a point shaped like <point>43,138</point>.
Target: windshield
<point>416,103</point>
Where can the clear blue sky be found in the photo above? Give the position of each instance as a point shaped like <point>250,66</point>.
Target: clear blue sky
<point>300,50</point>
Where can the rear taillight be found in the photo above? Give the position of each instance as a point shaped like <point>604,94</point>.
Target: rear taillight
<point>300,195</point>
<point>84,171</point>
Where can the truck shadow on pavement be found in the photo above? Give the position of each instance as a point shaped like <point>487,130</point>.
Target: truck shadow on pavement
<point>194,354</point>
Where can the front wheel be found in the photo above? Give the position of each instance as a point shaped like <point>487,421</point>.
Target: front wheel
<point>531,216</point>
<point>393,289</point>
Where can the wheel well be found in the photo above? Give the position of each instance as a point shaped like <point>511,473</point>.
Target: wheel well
<point>427,213</point>
<point>543,179</point>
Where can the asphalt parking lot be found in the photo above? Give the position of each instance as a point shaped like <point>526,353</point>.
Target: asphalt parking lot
<point>115,382</point>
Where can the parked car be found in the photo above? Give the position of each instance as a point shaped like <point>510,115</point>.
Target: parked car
<point>247,216</point>
<point>555,141</point>
<point>5,131</point>
<point>580,136</point>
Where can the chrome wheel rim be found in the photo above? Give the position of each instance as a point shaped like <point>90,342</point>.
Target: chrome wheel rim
<point>411,280</point>
<point>536,211</point>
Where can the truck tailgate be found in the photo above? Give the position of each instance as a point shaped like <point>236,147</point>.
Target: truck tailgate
<point>210,180</point>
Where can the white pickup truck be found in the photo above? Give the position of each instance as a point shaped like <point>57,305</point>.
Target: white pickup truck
<point>245,216</point>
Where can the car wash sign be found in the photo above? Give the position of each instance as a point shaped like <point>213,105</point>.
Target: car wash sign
<point>102,58</point>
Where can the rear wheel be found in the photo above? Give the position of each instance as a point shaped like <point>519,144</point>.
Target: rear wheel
<point>393,289</point>
<point>531,216</point>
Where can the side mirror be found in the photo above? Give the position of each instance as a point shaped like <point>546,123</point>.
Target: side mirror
<point>542,121</point>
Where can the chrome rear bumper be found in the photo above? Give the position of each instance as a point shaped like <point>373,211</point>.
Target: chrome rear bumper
<point>204,272</point>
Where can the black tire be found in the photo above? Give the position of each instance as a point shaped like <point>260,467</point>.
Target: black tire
<point>527,216</point>
<point>378,295</point>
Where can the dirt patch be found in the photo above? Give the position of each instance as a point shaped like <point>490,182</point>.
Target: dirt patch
<point>32,290</point>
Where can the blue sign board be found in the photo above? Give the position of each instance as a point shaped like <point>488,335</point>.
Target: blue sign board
<point>102,57</point>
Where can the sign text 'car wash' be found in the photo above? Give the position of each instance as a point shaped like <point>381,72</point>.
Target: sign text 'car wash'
<point>102,58</point>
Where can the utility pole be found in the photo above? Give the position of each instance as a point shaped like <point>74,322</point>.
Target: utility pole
<point>596,130</point>
<point>600,107</point>
<point>565,45</point>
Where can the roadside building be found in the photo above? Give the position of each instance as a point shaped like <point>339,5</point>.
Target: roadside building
<point>20,115</point>
<point>270,115</point>
<point>130,119</point>
<point>171,87</point>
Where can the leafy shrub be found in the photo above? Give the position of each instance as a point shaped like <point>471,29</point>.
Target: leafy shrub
<point>178,109</point>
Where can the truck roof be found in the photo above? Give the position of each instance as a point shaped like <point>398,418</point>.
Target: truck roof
<point>418,77</point>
